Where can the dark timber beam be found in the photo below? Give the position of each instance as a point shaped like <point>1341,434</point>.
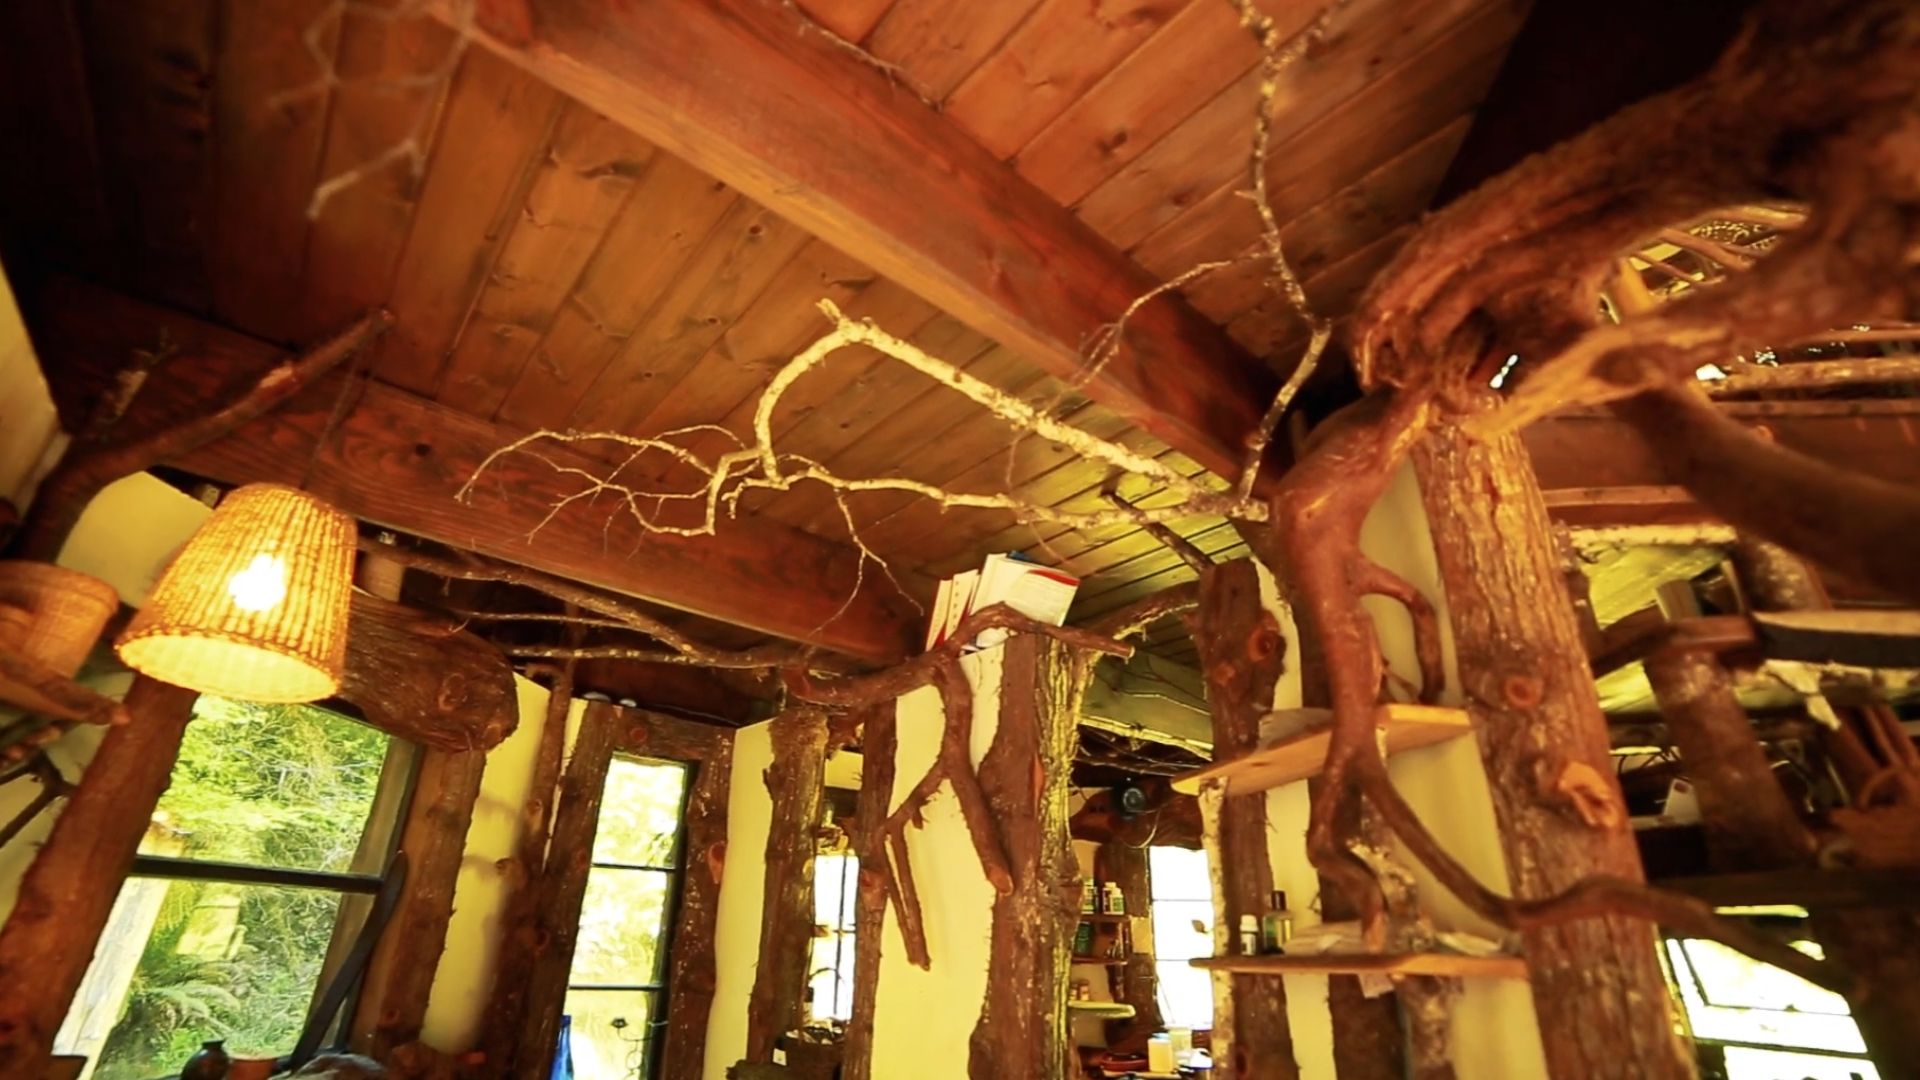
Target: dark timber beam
<point>1595,470</point>
<point>396,460</point>
<point>756,97</point>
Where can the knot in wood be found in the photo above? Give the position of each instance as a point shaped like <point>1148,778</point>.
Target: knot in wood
<point>1522,691</point>
<point>638,735</point>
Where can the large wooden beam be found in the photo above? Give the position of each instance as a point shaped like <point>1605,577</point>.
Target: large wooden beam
<point>397,460</point>
<point>1596,470</point>
<point>753,95</point>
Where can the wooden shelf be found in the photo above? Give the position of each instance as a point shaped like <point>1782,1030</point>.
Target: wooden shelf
<point>1466,967</point>
<point>1299,756</point>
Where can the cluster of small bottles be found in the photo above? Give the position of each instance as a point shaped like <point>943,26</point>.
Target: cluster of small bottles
<point>1268,933</point>
<point>1099,898</point>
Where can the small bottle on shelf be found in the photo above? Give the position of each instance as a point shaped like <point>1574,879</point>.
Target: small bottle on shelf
<point>1276,926</point>
<point>1088,893</point>
<point>1249,935</point>
<point>1116,900</point>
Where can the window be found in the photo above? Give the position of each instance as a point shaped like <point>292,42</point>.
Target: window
<point>252,881</point>
<point>1182,896</point>
<point>830,971</point>
<point>1765,1022</point>
<point>616,994</point>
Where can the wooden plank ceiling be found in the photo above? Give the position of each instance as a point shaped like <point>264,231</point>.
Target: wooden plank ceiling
<point>549,269</point>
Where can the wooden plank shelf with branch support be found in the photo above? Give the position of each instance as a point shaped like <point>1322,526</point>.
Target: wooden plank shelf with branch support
<point>1300,756</point>
<point>1445,964</point>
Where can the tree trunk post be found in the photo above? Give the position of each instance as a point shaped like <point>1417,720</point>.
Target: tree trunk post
<point>878,746</point>
<point>1242,654</point>
<point>563,889</point>
<point>797,782</point>
<point>1022,1030</point>
<point>69,890</point>
<point>1602,1000</point>
<point>691,975</point>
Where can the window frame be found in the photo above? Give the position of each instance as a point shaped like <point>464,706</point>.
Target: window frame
<point>386,816</point>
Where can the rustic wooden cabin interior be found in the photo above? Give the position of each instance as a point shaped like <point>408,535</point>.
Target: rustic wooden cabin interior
<point>897,539</point>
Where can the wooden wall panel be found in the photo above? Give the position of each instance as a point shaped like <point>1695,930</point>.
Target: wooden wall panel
<point>937,43</point>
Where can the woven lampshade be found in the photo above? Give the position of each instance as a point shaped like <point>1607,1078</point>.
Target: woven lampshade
<point>255,605</point>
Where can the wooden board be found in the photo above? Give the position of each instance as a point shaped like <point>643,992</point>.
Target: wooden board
<point>1298,757</point>
<point>1444,964</point>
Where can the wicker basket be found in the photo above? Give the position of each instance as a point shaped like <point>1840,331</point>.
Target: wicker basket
<point>67,611</point>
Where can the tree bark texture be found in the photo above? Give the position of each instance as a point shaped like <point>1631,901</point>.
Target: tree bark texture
<point>1602,1000</point>
<point>1022,1030</point>
<point>563,889</point>
<point>68,892</point>
<point>506,1004</point>
<point>1242,654</point>
<point>797,782</point>
<point>418,678</point>
<point>691,973</point>
<point>400,972</point>
<point>878,746</point>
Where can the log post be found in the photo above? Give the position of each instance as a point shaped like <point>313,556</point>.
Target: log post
<point>563,889</point>
<point>878,746</point>
<point>691,973</point>
<point>519,944</point>
<point>1022,1030</point>
<point>797,782</point>
<point>1598,989</point>
<point>391,664</point>
<point>69,890</point>
<point>1242,654</point>
<point>434,839</point>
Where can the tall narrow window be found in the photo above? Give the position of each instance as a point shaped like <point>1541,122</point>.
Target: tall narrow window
<point>616,994</point>
<point>252,881</point>
<point>830,973</point>
<point>1182,908</point>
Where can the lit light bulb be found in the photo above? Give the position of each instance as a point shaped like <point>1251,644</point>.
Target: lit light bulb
<point>261,585</point>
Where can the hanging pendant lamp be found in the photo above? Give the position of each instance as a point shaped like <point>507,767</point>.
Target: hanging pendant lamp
<point>255,605</point>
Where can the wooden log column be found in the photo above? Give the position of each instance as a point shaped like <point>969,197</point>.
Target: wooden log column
<point>450,693</point>
<point>1022,1030</point>
<point>1602,1000</point>
<point>1242,654</point>
<point>563,889</point>
<point>797,782</point>
<point>878,747</point>
<point>69,890</point>
<point>691,974</point>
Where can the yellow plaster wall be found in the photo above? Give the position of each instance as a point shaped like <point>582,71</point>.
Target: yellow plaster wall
<point>464,978</point>
<point>29,426</point>
<point>923,1019</point>
<point>736,936</point>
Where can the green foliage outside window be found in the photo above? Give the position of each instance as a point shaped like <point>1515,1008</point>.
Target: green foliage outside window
<point>273,785</point>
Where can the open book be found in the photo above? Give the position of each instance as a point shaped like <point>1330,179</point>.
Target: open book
<point>1040,593</point>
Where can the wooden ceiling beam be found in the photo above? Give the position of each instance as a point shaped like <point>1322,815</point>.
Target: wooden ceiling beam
<point>396,460</point>
<point>758,98</point>
<point>1595,470</point>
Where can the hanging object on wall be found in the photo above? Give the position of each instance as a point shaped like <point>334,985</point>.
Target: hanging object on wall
<point>255,605</point>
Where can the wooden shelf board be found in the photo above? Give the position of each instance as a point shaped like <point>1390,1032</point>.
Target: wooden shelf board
<point>1470,967</point>
<point>1299,756</point>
